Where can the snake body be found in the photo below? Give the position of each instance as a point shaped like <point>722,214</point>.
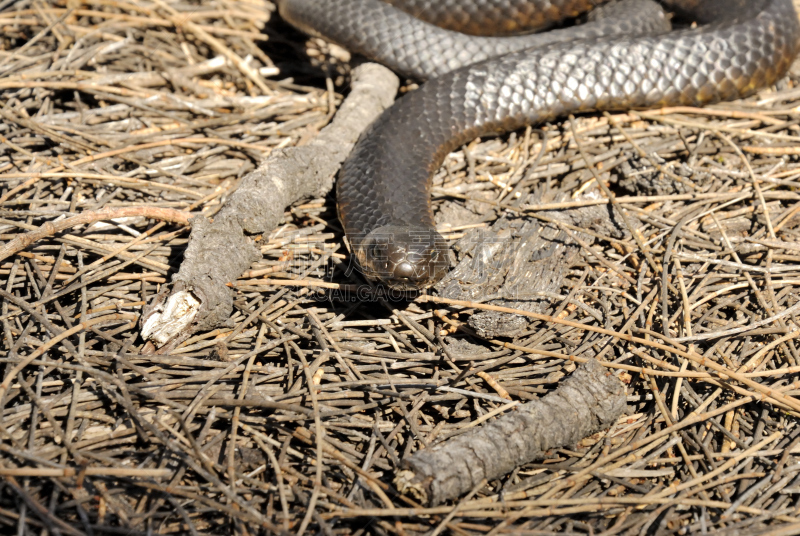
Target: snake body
<point>615,62</point>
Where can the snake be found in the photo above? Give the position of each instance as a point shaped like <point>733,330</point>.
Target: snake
<point>624,55</point>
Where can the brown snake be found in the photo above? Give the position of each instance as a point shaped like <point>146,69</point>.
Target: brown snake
<point>384,185</point>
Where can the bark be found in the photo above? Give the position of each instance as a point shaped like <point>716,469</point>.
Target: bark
<point>220,251</point>
<point>590,400</point>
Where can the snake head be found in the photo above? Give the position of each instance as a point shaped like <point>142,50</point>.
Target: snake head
<point>403,257</point>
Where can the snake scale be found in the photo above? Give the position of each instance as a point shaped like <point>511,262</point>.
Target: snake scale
<point>624,56</point>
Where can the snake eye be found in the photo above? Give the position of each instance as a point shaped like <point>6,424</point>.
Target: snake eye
<point>375,251</point>
<point>379,252</point>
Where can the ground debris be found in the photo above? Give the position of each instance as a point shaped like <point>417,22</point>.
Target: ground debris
<point>301,411</point>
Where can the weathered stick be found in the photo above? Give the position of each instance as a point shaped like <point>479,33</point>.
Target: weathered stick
<point>588,401</point>
<point>219,252</point>
<point>91,216</point>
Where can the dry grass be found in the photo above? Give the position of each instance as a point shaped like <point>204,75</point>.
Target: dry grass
<point>296,416</point>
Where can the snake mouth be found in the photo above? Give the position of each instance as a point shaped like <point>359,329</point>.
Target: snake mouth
<point>404,257</point>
